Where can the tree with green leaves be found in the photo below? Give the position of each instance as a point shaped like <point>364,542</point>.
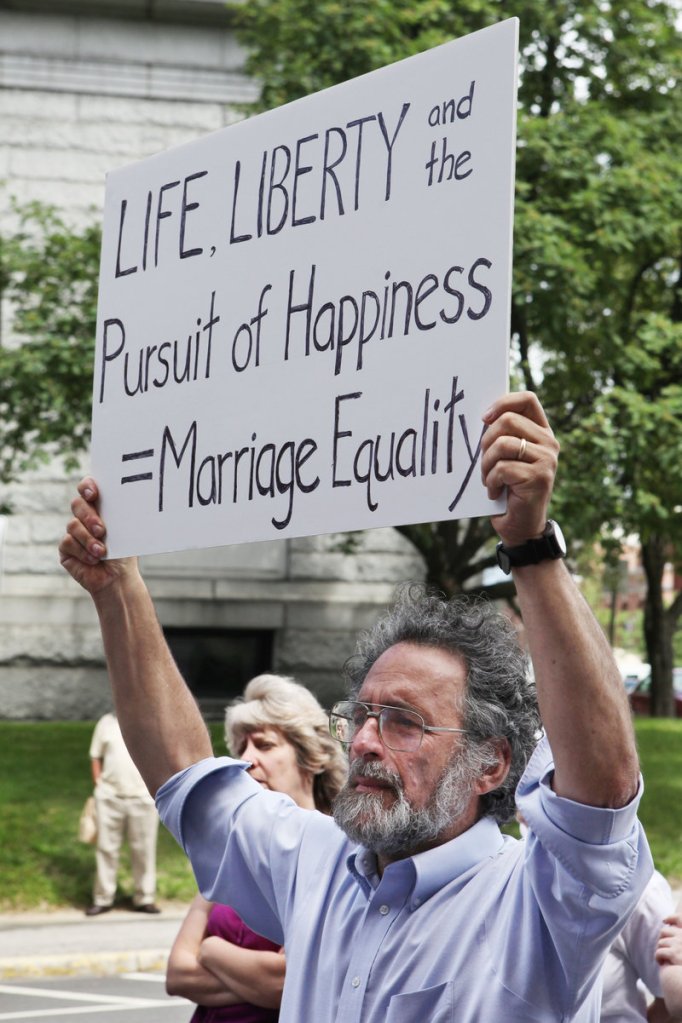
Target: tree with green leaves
<point>48,278</point>
<point>598,250</point>
<point>612,375</point>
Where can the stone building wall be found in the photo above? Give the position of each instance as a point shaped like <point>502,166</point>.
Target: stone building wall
<point>86,87</point>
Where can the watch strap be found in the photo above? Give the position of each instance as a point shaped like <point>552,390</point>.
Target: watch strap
<point>548,547</point>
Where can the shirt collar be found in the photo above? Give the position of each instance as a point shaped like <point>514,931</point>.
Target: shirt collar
<point>362,865</point>
<point>435,868</point>
<point>445,863</point>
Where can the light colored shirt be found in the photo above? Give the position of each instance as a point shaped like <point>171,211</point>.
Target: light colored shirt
<point>631,963</point>
<point>119,775</point>
<point>481,929</point>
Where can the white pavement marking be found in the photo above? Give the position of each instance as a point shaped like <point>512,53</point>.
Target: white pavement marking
<point>76,996</point>
<point>96,1003</point>
<point>143,1003</point>
<point>159,978</point>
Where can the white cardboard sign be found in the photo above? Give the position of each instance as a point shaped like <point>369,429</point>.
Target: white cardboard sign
<point>303,317</point>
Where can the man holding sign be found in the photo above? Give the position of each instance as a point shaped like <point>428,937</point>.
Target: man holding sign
<point>411,905</point>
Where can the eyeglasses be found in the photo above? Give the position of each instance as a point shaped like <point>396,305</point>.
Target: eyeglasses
<point>400,729</point>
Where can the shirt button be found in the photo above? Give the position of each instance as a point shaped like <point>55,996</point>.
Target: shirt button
<point>383,910</point>
<point>355,982</point>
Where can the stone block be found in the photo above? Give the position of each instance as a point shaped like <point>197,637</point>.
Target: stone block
<point>211,614</point>
<point>25,33</point>
<point>62,165</point>
<point>18,529</point>
<point>335,543</point>
<point>322,565</point>
<point>150,43</point>
<point>29,559</point>
<point>34,134</point>
<point>40,529</point>
<point>388,540</point>
<point>382,540</point>
<point>41,643</point>
<point>33,692</point>
<point>124,142</point>
<point>181,589</point>
<point>325,616</point>
<point>48,529</point>
<point>253,560</point>
<point>54,609</point>
<point>37,105</point>
<point>83,200</point>
<point>41,493</point>
<point>310,650</point>
<point>196,118</point>
<point>356,568</point>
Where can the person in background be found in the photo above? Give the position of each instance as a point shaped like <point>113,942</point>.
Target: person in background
<point>234,974</point>
<point>124,809</point>
<point>669,959</point>
<point>630,968</point>
<point>631,962</point>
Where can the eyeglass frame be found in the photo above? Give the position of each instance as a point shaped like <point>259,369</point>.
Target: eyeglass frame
<point>377,715</point>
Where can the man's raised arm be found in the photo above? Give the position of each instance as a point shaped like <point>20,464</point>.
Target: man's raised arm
<point>161,723</point>
<point>581,696</point>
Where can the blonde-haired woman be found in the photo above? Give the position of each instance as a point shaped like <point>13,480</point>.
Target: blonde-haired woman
<point>233,974</point>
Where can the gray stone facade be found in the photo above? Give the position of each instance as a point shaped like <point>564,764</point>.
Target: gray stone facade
<point>86,87</point>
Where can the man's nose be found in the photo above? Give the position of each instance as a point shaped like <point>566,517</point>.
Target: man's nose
<point>367,739</point>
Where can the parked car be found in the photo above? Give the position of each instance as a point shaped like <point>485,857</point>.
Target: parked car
<point>630,682</point>
<point>640,696</point>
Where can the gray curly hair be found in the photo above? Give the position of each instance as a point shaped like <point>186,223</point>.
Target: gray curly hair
<point>276,701</point>
<point>500,699</point>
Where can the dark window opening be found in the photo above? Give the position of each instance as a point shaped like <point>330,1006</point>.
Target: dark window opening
<point>217,663</point>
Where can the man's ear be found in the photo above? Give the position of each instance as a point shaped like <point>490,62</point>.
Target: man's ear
<point>494,775</point>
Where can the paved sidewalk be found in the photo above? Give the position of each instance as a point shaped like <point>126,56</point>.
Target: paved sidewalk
<point>67,943</point>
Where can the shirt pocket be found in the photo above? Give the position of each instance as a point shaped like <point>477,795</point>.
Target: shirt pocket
<point>432,1005</point>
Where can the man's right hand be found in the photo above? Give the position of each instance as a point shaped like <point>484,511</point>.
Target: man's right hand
<point>145,680</point>
<point>83,549</point>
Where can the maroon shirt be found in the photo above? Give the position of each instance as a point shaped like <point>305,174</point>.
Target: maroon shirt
<point>225,923</point>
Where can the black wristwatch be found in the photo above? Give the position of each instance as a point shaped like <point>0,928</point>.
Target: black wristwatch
<point>548,547</point>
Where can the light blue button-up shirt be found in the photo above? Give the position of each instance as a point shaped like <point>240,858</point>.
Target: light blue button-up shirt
<point>482,929</point>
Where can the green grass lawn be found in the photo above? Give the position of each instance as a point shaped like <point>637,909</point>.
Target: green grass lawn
<point>44,780</point>
<point>660,751</point>
<point>45,777</point>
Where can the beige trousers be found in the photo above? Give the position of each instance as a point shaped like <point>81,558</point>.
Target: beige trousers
<point>137,820</point>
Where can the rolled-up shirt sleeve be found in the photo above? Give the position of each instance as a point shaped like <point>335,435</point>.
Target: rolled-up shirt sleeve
<point>598,846</point>
<point>586,867</point>
<point>173,794</point>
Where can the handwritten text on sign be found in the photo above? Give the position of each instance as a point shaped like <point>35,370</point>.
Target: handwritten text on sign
<point>303,317</point>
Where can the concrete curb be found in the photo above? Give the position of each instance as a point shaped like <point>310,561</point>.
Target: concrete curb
<point>83,964</point>
<point>66,943</point>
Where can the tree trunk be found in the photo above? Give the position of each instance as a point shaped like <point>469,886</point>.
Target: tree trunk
<point>659,627</point>
<point>612,616</point>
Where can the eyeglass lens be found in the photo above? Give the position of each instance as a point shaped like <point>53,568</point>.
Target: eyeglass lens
<point>401,730</point>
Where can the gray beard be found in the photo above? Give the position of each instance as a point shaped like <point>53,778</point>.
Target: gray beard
<point>401,830</point>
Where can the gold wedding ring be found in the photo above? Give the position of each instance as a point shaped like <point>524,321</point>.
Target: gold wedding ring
<point>522,449</point>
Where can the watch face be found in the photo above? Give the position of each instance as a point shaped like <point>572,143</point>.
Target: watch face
<point>503,559</point>
<point>558,537</point>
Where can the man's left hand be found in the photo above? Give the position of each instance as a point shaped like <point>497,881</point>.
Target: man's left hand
<point>520,452</point>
